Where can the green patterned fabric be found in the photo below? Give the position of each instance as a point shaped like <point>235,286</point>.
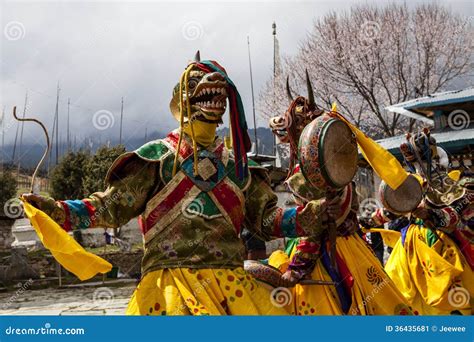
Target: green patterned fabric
<point>302,189</point>
<point>290,244</point>
<point>202,239</point>
<point>154,150</point>
<point>194,241</point>
<point>253,163</point>
<point>167,167</point>
<point>431,238</point>
<point>206,205</point>
<point>229,170</point>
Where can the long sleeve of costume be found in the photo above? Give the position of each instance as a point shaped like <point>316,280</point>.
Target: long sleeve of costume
<point>129,188</point>
<point>266,219</point>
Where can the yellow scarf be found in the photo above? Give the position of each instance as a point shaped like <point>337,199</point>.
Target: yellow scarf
<point>204,132</point>
<point>71,255</point>
<point>387,167</point>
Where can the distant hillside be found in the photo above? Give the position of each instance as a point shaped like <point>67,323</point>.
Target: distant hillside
<point>264,135</point>
<point>31,153</point>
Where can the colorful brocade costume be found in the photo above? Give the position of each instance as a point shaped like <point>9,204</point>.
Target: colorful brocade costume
<point>433,261</point>
<point>193,256</point>
<point>434,268</point>
<point>192,196</point>
<point>362,286</point>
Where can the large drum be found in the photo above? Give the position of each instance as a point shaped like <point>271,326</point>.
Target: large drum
<point>404,199</point>
<point>328,153</point>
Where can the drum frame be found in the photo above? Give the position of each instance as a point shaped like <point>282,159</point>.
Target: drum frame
<point>319,176</point>
<point>384,187</point>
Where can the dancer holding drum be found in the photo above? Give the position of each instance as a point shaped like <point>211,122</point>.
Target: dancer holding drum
<point>432,263</point>
<point>327,152</point>
<point>192,196</point>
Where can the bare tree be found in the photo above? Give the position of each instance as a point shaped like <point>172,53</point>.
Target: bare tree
<point>372,57</point>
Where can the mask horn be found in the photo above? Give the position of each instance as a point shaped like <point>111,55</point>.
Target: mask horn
<point>288,90</point>
<point>197,56</point>
<point>311,102</point>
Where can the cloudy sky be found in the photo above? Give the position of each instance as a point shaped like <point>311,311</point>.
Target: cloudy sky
<point>99,51</point>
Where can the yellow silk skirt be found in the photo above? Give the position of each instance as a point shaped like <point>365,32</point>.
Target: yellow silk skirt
<point>435,280</point>
<point>186,291</point>
<point>309,299</point>
<point>316,299</point>
<point>373,292</point>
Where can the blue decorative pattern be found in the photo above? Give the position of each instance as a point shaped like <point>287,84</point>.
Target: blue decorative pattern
<point>403,232</point>
<point>78,214</point>
<point>288,222</point>
<point>209,184</point>
<point>344,297</point>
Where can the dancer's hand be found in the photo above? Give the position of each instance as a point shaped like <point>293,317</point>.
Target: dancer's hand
<point>422,212</point>
<point>46,204</point>
<point>333,208</point>
<point>289,279</point>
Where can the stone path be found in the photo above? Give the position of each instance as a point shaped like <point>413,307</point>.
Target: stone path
<point>88,300</point>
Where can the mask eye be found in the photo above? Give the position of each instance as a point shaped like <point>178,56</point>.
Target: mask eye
<point>192,83</point>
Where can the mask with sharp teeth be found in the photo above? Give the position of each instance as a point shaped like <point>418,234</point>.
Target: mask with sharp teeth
<point>201,96</point>
<point>207,93</point>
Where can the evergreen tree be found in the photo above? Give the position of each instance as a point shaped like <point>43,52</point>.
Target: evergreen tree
<point>7,189</point>
<point>67,177</point>
<point>97,166</point>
